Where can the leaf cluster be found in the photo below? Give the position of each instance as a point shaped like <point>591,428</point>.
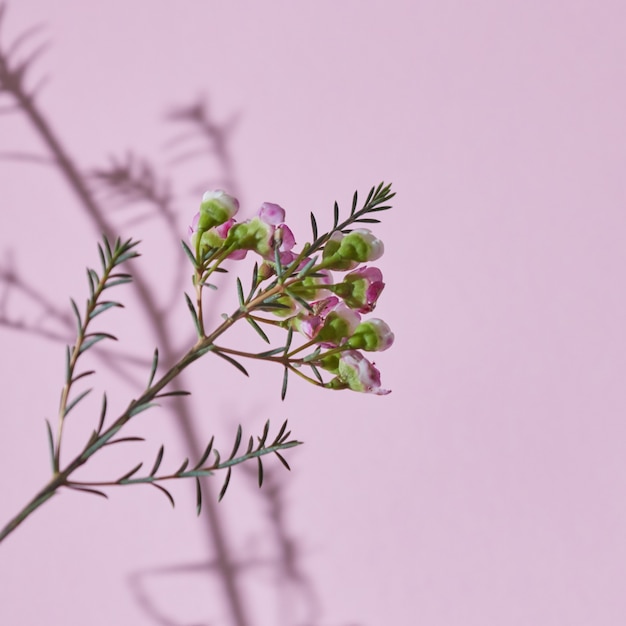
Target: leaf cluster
<point>111,257</point>
<point>255,449</point>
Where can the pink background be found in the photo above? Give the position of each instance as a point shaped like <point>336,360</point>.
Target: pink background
<point>489,487</point>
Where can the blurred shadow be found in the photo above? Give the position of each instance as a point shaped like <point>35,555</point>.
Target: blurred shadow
<point>127,191</point>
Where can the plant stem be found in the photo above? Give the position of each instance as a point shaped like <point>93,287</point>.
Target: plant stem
<point>203,345</point>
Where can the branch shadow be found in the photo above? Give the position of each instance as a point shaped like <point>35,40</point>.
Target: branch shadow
<point>129,190</point>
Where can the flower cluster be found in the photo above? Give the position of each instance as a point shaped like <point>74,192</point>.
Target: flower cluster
<point>321,292</point>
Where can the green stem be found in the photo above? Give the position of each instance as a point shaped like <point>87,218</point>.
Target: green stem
<point>46,493</point>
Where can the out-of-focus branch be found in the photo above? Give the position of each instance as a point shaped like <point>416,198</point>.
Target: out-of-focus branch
<point>12,84</point>
<point>205,137</point>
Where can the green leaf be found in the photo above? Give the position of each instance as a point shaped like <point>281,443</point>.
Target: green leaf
<point>182,468</point>
<point>157,462</point>
<point>205,454</point>
<point>95,492</point>
<point>266,430</point>
<point>255,279</point>
<point>314,226</point>
<point>51,445</point>
<point>173,393</point>
<point>102,439</point>
<point>93,279</point>
<point>367,220</point>
<point>232,361</point>
<point>103,412</point>
<point>305,270</point>
<point>83,375</point>
<point>194,315</point>
<point>316,373</point>
<point>260,468</point>
<point>79,324</point>
<point>283,391</point>
<point>300,300</point>
<point>94,338</point>
<point>190,255</point>
<point>250,445</point>
<point>271,352</point>
<point>225,485</point>
<point>282,460</point>
<point>240,292</point>
<point>139,408</point>
<point>312,356</point>
<point>125,257</point>
<point>335,215</point>
<point>258,329</point>
<point>102,258</point>
<point>114,283</point>
<point>198,496</point>
<point>354,201</point>
<point>153,368</point>
<point>126,476</point>
<point>271,306</point>
<point>123,440</point>
<point>107,245</point>
<point>281,440</point>
<point>68,369</point>
<point>281,431</point>
<point>237,443</point>
<point>104,306</point>
<point>166,493</point>
<point>289,339</point>
<point>75,401</point>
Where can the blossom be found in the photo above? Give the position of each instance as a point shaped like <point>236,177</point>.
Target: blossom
<point>355,372</point>
<point>330,323</point>
<point>361,288</point>
<point>271,213</point>
<point>216,237</point>
<point>264,233</point>
<point>280,236</point>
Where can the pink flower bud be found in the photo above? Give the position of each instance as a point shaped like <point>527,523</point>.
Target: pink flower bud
<point>361,288</point>
<point>271,213</point>
<point>357,373</point>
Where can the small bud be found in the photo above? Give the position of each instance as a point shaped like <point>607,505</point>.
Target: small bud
<point>361,288</point>
<point>344,252</point>
<point>355,372</point>
<point>216,208</point>
<point>271,213</point>
<point>339,325</point>
<point>373,336</point>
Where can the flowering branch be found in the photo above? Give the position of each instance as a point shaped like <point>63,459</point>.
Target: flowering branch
<point>290,285</point>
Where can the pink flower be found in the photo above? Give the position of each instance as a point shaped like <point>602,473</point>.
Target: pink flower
<point>331,324</point>
<point>361,288</point>
<point>357,373</point>
<point>271,213</point>
<point>279,235</point>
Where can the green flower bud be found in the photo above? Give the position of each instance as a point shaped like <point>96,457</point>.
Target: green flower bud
<point>372,336</point>
<point>251,235</point>
<point>216,208</point>
<point>344,252</point>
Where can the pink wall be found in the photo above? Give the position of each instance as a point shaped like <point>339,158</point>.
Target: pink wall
<point>488,488</point>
